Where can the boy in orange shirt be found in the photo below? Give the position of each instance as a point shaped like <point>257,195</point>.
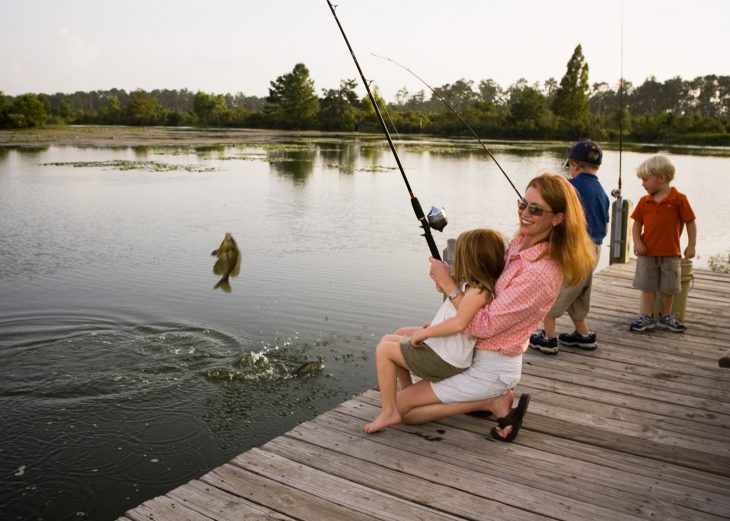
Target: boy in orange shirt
<point>658,221</point>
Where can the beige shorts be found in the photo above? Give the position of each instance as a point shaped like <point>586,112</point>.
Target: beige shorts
<point>491,374</point>
<point>662,274</point>
<point>576,300</point>
<point>425,363</point>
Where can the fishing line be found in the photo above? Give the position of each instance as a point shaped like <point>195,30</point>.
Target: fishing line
<point>621,102</point>
<point>458,116</point>
<point>414,201</point>
<point>395,129</point>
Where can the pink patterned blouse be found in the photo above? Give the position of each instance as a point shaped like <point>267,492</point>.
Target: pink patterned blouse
<point>524,293</point>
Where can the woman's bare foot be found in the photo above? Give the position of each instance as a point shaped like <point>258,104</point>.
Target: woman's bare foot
<point>382,421</point>
<point>502,408</point>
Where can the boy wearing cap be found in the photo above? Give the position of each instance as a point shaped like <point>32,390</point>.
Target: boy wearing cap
<point>658,221</point>
<point>584,160</point>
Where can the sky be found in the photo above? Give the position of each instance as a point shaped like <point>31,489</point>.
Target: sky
<point>231,46</point>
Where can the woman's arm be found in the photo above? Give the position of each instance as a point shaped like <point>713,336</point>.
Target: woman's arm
<point>472,301</point>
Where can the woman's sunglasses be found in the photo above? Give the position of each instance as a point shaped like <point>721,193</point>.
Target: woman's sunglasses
<point>532,208</point>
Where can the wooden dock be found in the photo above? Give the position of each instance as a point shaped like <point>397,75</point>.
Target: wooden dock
<point>638,429</point>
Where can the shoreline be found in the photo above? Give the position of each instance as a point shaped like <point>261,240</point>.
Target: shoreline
<point>125,136</point>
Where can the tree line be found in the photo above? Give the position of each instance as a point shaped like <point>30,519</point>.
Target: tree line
<point>674,111</point>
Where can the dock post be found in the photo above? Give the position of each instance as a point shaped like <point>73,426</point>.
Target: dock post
<point>620,211</point>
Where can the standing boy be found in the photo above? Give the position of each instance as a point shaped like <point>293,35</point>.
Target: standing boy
<point>658,221</point>
<point>584,160</point>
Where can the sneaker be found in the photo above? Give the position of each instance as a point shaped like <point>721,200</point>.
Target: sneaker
<point>587,342</point>
<point>642,323</point>
<point>672,324</point>
<point>546,344</point>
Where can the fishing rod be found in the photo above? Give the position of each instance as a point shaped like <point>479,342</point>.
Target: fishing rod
<point>437,217</point>
<point>458,116</point>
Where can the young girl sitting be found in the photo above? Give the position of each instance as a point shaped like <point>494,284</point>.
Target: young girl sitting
<point>448,351</point>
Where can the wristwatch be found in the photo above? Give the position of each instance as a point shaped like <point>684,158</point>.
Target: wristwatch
<point>452,295</point>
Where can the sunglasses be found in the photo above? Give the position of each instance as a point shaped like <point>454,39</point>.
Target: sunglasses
<point>532,208</point>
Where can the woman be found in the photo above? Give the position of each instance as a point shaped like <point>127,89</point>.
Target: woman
<point>552,242</point>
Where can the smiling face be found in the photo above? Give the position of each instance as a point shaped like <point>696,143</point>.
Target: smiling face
<point>536,228</point>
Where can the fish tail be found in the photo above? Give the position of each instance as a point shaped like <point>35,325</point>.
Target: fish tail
<point>224,285</point>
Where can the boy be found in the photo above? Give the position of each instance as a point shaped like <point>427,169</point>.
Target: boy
<point>658,221</point>
<point>584,160</point>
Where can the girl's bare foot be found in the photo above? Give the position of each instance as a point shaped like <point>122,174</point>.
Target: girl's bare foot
<point>382,421</point>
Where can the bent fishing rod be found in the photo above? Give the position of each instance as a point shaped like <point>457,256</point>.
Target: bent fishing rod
<point>414,200</point>
<point>458,116</point>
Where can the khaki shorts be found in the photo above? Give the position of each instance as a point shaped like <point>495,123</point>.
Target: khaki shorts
<point>662,274</point>
<point>425,363</point>
<point>576,300</point>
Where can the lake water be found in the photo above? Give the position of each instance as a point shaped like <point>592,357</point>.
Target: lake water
<point>124,374</point>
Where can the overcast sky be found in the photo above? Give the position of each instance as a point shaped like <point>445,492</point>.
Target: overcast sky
<point>230,46</point>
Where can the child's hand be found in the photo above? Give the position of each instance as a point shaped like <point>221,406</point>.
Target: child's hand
<point>689,252</point>
<point>416,338</point>
<point>639,248</point>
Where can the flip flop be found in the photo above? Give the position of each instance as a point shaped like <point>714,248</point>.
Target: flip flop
<point>513,419</point>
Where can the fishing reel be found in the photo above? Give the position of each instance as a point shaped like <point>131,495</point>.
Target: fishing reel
<point>437,218</point>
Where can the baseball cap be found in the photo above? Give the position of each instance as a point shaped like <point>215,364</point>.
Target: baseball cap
<point>586,151</point>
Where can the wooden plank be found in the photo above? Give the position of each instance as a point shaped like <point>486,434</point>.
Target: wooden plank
<point>164,509</point>
<point>277,496</point>
<point>376,503</point>
<point>368,472</point>
<point>217,504</point>
<point>588,481</point>
<point>409,453</point>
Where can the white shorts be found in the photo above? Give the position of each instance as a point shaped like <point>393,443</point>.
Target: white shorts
<point>491,374</point>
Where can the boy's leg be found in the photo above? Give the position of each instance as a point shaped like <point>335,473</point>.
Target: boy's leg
<point>548,325</point>
<point>388,359</point>
<point>647,302</point>
<point>667,299</point>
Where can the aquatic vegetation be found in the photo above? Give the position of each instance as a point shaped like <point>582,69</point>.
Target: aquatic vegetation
<point>123,165</point>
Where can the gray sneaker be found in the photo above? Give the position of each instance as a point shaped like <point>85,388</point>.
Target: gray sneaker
<point>587,342</point>
<point>672,324</point>
<point>642,323</point>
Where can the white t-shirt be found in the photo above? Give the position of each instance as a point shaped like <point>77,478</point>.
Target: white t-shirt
<point>456,349</point>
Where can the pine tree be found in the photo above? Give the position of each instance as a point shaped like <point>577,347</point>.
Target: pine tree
<point>571,97</point>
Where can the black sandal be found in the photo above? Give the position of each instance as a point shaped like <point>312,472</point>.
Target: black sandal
<point>513,419</point>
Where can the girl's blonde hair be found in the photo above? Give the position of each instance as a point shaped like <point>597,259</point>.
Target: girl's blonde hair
<point>480,259</point>
<point>569,243</point>
<point>657,165</point>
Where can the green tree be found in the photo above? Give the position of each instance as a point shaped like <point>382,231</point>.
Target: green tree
<point>340,108</point>
<point>528,113</point>
<point>209,108</point>
<point>292,102</point>
<point>142,109</point>
<point>571,97</point>
<point>27,110</point>
<point>459,95</point>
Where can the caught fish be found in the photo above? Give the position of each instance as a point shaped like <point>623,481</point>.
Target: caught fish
<point>309,368</point>
<point>228,263</point>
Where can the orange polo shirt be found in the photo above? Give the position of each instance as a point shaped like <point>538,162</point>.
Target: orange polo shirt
<point>662,223</point>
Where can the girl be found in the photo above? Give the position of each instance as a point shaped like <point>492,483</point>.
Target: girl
<point>479,262</point>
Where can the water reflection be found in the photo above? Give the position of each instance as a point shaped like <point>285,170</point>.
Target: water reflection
<point>296,164</point>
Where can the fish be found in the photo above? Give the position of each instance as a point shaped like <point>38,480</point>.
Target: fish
<point>228,263</point>
<point>309,368</point>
